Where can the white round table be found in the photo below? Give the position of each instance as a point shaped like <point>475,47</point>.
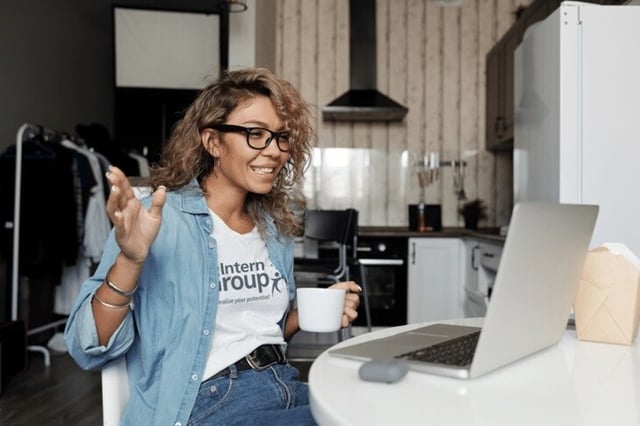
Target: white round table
<point>572,383</point>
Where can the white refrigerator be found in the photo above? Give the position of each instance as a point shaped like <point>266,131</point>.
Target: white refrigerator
<point>577,115</point>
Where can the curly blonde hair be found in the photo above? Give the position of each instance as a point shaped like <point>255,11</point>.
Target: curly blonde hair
<point>184,157</point>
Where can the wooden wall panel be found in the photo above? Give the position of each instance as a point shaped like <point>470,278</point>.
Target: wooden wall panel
<point>291,41</point>
<point>484,174</point>
<point>308,79</point>
<point>379,196</point>
<point>469,102</point>
<point>433,90</point>
<point>416,60</point>
<point>449,145</point>
<point>431,59</point>
<point>396,88</point>
<point>326,63</point>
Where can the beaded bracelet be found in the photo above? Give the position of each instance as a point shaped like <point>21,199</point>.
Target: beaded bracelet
<point>120,291</point>
<point>112,306</point>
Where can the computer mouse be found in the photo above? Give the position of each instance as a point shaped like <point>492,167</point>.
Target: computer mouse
<point>383,370</point>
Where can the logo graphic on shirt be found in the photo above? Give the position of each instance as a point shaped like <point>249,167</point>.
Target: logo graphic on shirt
<point>251,278</point>
<point>275,280</point>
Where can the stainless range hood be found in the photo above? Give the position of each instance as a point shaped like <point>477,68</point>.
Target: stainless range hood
<point>363,102</point>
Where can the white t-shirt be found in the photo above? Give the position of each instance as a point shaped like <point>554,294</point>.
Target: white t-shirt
<point>253,297</point>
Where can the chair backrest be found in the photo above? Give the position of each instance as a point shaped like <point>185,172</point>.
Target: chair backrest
<point>331,225</point>
<point>115,391</point>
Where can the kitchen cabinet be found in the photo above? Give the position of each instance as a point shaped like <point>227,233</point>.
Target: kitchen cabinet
<point>434,279</point>
<point>499,95</point>
<point>537,11</point>
<point>499,83</point>
<point>500,106</point>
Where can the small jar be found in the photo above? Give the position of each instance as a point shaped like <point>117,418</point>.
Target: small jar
<point>422,225</point>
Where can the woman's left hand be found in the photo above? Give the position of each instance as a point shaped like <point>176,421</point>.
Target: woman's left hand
<point>351,301</point>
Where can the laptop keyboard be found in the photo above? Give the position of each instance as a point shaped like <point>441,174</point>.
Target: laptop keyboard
<point>458,351</point>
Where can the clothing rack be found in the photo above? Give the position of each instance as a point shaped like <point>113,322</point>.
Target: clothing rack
<point>86,166</point>
<point>26,129</point>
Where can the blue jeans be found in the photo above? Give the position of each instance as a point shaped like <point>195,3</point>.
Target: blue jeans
<point>273,396</point>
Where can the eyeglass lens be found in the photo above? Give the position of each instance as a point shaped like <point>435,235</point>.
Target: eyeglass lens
<point>259,138</point>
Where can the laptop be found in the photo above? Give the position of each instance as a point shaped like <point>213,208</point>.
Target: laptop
<point>534,289</point>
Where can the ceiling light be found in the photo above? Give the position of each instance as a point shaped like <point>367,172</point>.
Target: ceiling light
<point>232,6</point>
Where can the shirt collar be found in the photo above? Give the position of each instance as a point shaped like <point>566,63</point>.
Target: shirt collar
<point>192,198</point>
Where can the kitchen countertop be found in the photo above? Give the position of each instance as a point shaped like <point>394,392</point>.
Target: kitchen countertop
<point>491,234</point>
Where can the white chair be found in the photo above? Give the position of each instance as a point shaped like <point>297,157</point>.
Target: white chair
<point>115,391</point>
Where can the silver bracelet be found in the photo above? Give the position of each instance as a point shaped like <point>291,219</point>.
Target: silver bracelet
<point>112,306</point>
<point>120,291</point>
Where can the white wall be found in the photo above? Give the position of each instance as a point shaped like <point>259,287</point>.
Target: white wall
<point>242,37</point>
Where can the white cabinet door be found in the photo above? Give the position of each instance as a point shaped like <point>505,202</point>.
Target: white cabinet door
<point>474,304</point>
<point>471,263</point>
<point>482,259</point>
<point>435,279</point>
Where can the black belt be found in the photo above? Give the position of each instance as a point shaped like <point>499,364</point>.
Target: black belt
<point>262,357</point>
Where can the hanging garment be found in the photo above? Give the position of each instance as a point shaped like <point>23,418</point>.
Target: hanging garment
<point>49,231</point>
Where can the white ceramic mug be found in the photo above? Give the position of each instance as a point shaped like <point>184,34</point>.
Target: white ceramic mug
<point>320,309</point>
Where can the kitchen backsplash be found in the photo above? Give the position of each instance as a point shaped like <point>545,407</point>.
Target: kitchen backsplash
<point>380,184</point>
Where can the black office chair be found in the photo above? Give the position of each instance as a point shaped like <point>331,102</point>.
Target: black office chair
<point>330,251</point>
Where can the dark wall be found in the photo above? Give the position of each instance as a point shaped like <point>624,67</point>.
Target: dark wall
<point>56,67</point>
<point>56,61</point>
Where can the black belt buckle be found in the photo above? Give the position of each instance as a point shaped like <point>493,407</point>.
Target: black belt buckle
<point>265,356</point>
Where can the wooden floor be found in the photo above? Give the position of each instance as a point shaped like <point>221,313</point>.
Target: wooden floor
<point>61,394</point>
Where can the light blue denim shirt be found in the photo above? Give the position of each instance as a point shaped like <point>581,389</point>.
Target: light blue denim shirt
<point>166,338</point>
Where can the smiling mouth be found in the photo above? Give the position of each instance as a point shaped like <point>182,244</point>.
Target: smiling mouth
<point>263,170</point>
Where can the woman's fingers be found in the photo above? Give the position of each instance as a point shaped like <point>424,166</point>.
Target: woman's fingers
<point>124,188</point>
<point>122,204</point>
<point>157,201</point>
<point>351,301</point>
<point>113,203</point>
<point>350,286</point>
<point>116,201</point>
<point>135,227</point>
<point>349,315</point>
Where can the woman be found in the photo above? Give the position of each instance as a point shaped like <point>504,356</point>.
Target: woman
<point>196,281</point>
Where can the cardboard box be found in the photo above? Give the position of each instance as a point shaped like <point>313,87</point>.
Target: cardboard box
<point>608,299</point>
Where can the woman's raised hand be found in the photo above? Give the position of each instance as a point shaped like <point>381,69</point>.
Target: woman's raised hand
<point>135,227</point>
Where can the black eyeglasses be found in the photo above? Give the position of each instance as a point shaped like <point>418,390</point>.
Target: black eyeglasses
<point>257,137</point>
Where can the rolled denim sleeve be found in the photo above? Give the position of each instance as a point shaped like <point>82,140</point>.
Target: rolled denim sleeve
<point>81,335</point>
<point>82,339</point>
